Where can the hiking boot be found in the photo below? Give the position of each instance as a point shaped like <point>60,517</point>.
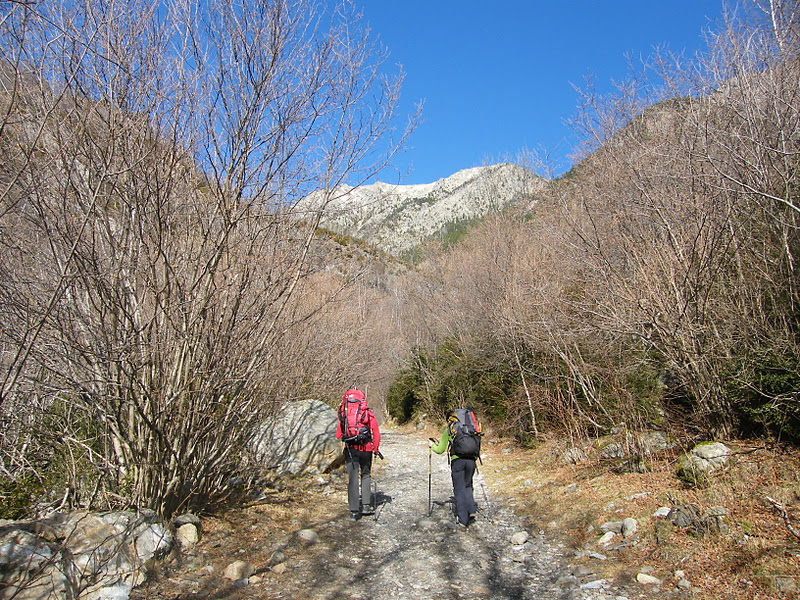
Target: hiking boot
<point>366,509</point>
<point>354,515</point>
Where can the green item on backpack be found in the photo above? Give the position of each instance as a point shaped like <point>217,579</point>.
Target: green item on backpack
<point>465,434</point>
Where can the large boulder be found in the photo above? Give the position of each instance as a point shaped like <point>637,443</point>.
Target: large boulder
<point>300,438</point>
<point>705,458</point>
<point>89,556</point>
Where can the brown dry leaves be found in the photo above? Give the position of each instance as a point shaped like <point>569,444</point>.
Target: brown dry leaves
<point>574,500</point>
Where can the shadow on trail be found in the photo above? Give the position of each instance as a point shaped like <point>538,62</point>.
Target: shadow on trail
<point>380,501</point>
<point>407,553</point>
<point>458,573</point>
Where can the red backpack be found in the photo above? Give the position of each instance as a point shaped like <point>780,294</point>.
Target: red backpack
<point>354,418</point>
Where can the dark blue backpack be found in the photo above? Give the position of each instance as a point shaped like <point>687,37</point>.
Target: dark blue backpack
<point>465,434</point>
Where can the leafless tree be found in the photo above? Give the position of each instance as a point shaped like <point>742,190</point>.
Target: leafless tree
<point>155,264</point>
<point>690,225</point>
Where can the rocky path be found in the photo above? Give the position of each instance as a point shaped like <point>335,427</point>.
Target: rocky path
<point>404,552</point>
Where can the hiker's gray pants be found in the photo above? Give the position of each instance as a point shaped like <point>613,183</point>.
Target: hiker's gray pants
<point>359,480</point>
<point>462,470</point>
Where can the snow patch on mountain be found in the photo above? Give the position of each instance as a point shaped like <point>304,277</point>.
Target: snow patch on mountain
<point>397,218</point>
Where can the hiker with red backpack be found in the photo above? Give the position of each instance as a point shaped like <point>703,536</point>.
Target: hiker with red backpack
<point>461,437</point>
<point>358,429</point>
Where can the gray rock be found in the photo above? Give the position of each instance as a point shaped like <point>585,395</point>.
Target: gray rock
<point>646,579</point>
<point>683,515</point>
<point>89,555</point>
<point>629,527</point>
<point>307,536</point>
<point>704,459</point>
<point>519,538</point>
<point>301,438</point>
<point>187,535</point>
<point>651,442</point>
<point>239,570</point>
<point>615,526</point>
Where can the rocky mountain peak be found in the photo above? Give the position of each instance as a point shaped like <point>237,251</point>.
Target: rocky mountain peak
<point>398,218</point>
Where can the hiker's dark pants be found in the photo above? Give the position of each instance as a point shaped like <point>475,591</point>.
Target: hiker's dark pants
<point>462,470</point>
<point>359,479</point>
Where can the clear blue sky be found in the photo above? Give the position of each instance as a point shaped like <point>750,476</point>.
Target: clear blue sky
<point>496,76</point>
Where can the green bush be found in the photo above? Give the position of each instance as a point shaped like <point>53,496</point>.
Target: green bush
<point>766,390</point>
<point>16,496</point>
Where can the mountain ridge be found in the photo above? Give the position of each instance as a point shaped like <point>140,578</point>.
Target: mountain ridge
<point>399,218</point>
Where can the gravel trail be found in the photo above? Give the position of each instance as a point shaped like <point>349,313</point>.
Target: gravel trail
<point>406,551</point>
<point>402,552</point>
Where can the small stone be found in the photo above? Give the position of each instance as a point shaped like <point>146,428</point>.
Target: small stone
<point>615,526</point>
<point>278,569</point>
<point>597,584</point>
<point>519,538</point>
<point>646,579</point>
<point>238,570</point>
<point>662,511</point>
<point>629,527</point>
<point>607,538</point>
<point>684,584</point>
<point>187,535</point>
<point>307,536</point>
<point>567,581</point>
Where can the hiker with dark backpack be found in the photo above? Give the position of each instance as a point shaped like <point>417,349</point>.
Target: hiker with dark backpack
<point>461,437</point>
<point>358,429</point>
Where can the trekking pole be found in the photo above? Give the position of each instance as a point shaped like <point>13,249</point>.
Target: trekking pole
<point>486,499</point>
<point>430,452</point>
<point>374,483</point>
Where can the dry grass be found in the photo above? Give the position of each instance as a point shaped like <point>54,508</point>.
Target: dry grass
<point>573,501</point>
<point>570,503</point>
